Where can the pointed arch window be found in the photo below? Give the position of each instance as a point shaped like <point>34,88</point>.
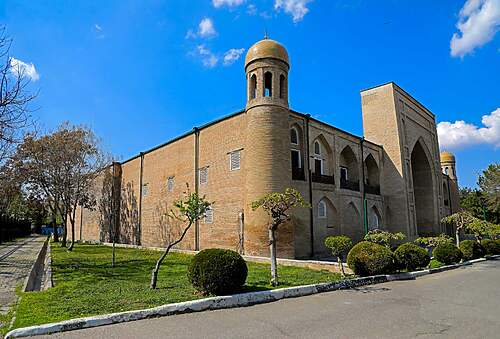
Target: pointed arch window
<point>253,86</point>
<point>294,136</point>
<point>322,209</point>
<point>268,84</point>
<point>317,148</point>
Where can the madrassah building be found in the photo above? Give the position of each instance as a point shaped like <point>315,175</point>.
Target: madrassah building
<point>392,178</point>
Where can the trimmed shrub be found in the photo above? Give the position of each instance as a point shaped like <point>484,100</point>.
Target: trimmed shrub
<point>411,256</point>
<point>491,246</point>
<point>367,258</point>
<point>447,253</point>
<point>471,249</point>
<point>217,271</point>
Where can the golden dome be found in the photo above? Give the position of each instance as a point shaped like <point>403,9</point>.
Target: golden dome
<point>266,48</point>
<point>447,157</point>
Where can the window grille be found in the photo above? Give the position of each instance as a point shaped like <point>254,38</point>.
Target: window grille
<point>170,184</point>
<point>145,190</point>
<point>209,215</point>
<point>234,160</point>
<point>203,173</point>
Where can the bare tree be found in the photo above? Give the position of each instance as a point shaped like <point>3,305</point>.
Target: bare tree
<point>14,99</point>
<point>188,210</point>
<point>278,205</point>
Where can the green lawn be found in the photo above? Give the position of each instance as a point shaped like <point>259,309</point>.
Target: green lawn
<point>85,283</point>
<point>435,264</point>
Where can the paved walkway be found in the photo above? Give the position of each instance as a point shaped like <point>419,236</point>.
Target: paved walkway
<point>461,303</point>
<point>16,260</point>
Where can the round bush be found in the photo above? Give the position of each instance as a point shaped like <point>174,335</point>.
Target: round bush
<point>367,258</point>
<point>217,271</point>
<point>447,253</point>
<point>471,249</point>
<point>491,246</point>
<point>411,256</point>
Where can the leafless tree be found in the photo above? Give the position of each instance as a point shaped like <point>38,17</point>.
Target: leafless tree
<point>14,99</point>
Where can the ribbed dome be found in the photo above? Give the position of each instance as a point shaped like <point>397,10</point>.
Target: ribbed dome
<point>266,48</point>
<point>447,157</point>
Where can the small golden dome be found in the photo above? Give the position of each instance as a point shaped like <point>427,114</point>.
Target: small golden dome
<point>447,157</point>
<point>266,48</point>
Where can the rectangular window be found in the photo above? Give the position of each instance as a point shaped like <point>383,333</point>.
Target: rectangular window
<point>318,166</point>
<point>234,160</point>
<point>209,215</point>
<point>145,190</point>
<point>203,174</point>
<point>170,184</point>
<point>296,159</point>
<point>343,173</point>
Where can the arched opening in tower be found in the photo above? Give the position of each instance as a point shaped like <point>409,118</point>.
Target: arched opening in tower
<point>268,84</point>
<point>423,192</point>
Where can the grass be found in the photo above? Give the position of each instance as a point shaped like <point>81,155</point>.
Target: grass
<point>86,284</point>
<point>6,318</point>
<point>435,264</point>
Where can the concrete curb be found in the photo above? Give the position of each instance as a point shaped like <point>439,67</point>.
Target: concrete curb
<point>224,302</point>
<point>30,283</point>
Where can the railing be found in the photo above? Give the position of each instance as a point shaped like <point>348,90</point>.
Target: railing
<point>372,189</point>
<point>324,179</point>
<point>298,174</point>
<point>349,185</point>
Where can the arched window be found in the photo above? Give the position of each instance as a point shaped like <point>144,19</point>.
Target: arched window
<point>317,148</point>
<point>294,136</point>
<point>282,87</point>
<point>322,209</point>
<point>268,84</point>
<point>374,219</point>
<point>253,86</point>
<point>446,170</point>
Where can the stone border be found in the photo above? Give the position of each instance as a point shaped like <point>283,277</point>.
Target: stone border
<point>36,272</point>
<point>224,302</point>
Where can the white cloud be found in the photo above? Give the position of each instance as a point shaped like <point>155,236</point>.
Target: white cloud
<point>251,9</point>
<point>479,21</point>
<point>461,134</point>
<point>206,28</point>
<point>21,68</point>
<point>208,58</point>
<point>229,3</point>
<point>297,8</point>
<point>232,55</point>
<point>98,31</point>
<point>97,27</point>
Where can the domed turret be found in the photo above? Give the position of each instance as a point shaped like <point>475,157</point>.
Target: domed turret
<point>266,48</point>
<point>448,164</point>
<point>447,157</point>
<point>267,141</point>
<point>266,66</point>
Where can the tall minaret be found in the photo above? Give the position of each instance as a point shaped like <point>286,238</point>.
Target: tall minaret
<point>448,167</point>
<point>267,149</point>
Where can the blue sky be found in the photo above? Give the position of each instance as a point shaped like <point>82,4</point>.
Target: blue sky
<point>142,72</point>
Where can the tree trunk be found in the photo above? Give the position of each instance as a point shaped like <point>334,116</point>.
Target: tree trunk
<point>457,236</point>
<point>154,273</point>
<point>54,228</point>
<point>272,249</point>
<point>70,248</point>
<point>113,257</point>
<point>339,260</point>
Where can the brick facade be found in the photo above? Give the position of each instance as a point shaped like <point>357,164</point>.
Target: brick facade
<point>353,184</point>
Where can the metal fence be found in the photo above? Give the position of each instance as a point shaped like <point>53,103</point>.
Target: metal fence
<point>11,228</point>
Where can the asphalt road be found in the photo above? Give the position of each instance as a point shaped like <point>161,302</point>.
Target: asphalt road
<point>463,303</point>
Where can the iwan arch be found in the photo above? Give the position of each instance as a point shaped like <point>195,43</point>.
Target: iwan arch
<point>392,178</point>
